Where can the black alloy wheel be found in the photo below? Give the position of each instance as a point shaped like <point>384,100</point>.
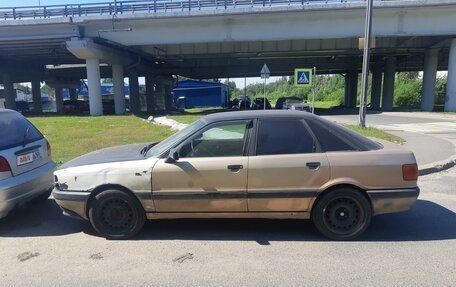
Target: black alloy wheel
<point>342,214</point>
<point>116,214</point>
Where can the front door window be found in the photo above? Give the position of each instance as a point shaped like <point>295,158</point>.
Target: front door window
<point>219,141</point>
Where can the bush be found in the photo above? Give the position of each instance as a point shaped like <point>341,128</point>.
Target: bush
<point>440,90</point>
<point>408,93</point>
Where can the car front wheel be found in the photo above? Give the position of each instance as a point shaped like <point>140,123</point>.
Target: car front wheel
<point>116,214</point>
<point>342,214</point>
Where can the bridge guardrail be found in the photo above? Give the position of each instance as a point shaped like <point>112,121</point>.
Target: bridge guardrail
<point>145,6</point>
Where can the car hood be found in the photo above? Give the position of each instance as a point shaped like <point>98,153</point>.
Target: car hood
<point>106,155</point>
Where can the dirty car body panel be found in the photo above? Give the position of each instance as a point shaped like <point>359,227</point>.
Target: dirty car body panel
<point>261,164</point>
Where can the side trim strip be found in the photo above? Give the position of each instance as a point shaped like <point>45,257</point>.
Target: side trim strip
<point>394,193</point>
<point>293,194</point>
<point>234,195</point>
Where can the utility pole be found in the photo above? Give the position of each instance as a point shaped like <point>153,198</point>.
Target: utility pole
<point>366,58</point>
<point>313,88</point>
<point>264,95</point>
<point>264,75</point>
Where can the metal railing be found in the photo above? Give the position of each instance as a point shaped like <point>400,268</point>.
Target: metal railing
<point>145,6</point>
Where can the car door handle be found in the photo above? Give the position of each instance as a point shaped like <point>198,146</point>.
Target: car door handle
<point>235,167</point>
<point>313,165</point>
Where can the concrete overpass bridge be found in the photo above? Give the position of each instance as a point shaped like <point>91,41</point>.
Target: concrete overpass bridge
<point>216,38</point>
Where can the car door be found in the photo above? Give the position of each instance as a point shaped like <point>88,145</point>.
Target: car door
<point>210,174</point>
<point>287,168</point>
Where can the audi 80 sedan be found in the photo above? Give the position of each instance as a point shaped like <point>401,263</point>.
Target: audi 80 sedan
<point>247,164</point>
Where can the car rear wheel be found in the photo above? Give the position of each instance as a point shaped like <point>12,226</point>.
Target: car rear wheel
<point>116,215</point>
<point>342,214</point>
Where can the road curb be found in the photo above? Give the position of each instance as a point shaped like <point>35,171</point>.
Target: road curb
<point>436,166</point>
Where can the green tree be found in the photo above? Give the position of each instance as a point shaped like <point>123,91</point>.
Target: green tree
<point>22,87</point>
<point>233,90</point>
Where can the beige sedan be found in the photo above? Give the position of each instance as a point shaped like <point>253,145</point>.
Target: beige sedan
<point>252,164</point>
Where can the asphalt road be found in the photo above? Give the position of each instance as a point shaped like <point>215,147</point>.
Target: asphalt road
<point>39,246</point>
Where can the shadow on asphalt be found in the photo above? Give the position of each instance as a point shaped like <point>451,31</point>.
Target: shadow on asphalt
<point>39,219</point>
<point>426,221</point>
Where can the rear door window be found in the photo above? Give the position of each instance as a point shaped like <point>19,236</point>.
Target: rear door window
<point>15,130</point>
<point>284,136</point>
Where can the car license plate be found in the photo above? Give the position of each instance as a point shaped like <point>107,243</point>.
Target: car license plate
<point>28,157</point>
<point>25,158</point>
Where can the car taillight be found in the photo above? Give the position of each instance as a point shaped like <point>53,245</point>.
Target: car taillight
<point>4,165</point>
<point>48,148</point>
<point>410,171</point>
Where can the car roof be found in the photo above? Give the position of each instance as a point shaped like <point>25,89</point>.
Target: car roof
<point>6,111</point>
<point>254,114</point>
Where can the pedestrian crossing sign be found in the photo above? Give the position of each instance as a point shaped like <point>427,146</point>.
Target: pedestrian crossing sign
<point>303,77</point>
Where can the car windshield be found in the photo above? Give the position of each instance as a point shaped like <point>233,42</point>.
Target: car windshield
<point>175,138</point>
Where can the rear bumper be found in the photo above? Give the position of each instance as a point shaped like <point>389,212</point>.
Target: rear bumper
<point>19,189</point>
<point>393,200</point>
<point>73,203</point>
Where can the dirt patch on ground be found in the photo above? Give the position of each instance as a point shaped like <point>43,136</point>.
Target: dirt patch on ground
<point>27,255</point>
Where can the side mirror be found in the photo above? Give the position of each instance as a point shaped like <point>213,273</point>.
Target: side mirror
<point>173,156</point>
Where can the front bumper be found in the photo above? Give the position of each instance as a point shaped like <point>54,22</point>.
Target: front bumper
<point>22,188</point>
<point>393,200</point>
<point>73,203</point>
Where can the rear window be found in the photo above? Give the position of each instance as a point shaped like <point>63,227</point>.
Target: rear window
<point>333,137</point>
<point>15,130</point>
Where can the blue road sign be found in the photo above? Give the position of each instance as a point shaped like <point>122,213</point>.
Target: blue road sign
<point>303,77</point>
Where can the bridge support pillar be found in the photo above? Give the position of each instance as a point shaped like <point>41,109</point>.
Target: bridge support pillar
<point>346,91</point>
<point>36,95</point>
<point>118,83</point>
<point>135,104</point>
<point>10,94</point>
<point>93,79</point>
<point>150,94</point>
<point>73,94</point>
<point>388,84</point>
<point>376,90</point>
<point>58,90</point>
<point>351,89</point>
<point>450,98</point>
<point>168,96</point>
<point>429,77</point>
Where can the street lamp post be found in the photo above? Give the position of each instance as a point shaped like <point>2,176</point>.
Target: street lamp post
<point>366,57</point>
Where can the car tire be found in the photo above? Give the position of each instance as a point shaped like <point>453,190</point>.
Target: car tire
<point>116,214</point>
<point>342,214</point>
